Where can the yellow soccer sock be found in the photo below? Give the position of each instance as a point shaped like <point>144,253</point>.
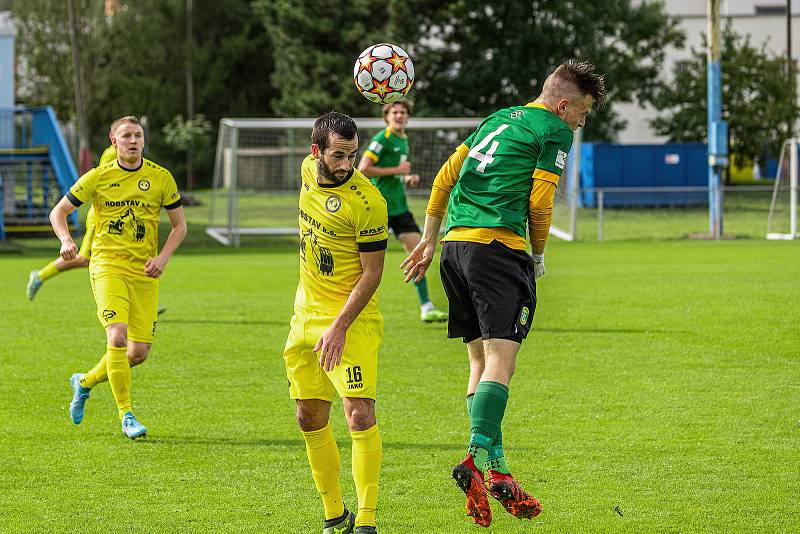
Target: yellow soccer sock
<point>119,376</point>
<point>48,271</point>
<point>323,457</point>
<point>96,375</point>
<point>367,454</point>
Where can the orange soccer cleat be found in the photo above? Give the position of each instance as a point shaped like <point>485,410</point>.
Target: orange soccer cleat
<point>514,499</point>
<point>471,482</point>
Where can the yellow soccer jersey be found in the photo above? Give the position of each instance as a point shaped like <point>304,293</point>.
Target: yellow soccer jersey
<point>127,206</point>
<point>108,155</point>
<point>337,222</point>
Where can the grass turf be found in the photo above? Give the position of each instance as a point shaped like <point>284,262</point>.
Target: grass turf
<point>658,392</point>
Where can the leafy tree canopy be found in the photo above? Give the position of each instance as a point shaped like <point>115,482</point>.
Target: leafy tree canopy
<point>757,99</point>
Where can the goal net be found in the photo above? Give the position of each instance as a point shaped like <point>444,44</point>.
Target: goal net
<point>782,220</point>
<point>257,166</point>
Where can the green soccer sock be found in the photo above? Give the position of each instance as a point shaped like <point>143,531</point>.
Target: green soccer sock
<point>478,448</point>
<point>486,408</point>
<point>496,460</point>
<point>422,290</point>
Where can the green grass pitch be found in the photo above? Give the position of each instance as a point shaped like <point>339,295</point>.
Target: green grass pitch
<point>658,392</point>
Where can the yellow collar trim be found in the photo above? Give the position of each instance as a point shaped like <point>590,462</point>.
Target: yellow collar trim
<point>536,105</point>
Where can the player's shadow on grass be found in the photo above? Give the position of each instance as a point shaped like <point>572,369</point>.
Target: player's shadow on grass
<point>610,330</point>
<point>257,442</point>
<point>449,447</point>
<point>225,321</point>
<point>221,441</point>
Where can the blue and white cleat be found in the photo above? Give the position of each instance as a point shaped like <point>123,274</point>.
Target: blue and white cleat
<point>34,283</point>
<point>131,427</point>
<point>79,396</point>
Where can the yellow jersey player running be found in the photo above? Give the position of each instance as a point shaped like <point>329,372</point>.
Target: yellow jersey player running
<point>127,195</point>
<point>497,187</point>
<point>38,277</point>
<point>336,329</point>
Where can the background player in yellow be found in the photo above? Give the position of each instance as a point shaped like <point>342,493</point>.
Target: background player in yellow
<point>385,161</point>
<point>337,329</point>
<point>497,187</point>
<point>38,276</point>
<point>127,195</point>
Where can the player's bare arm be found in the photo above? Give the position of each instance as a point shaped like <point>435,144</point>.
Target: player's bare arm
<point>368,168</point>
<point>58,219</point>
<point>155,266</point>
<point>416,264</point>
<point>331,344</point>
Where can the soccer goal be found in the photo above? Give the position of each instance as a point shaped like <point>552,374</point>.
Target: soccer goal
<point>257,166</point>
<point>782,220</point>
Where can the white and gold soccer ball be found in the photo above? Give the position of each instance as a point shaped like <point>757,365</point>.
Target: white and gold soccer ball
<point>383,73</point>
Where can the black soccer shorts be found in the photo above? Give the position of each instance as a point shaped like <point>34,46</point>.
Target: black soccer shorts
<point>403,224</point>
<point>491,289</point>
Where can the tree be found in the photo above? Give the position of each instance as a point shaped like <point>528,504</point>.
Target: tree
<point>756,96</point>
<point>43,45</point>
<point>471,57</point>
<point>133,62</point>
<point>317,48</point>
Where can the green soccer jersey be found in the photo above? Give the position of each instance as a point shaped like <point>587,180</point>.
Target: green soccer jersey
<point>387,149</point>
<point>507,151</point>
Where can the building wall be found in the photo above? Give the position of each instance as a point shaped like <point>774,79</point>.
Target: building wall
<point>7,33</point>
<point>745,17</point>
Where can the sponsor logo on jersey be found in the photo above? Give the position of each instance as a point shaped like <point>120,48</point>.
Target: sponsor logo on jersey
<point>561,159</point>
<point>372,231</point>
<point>109,314</point>
<point>333,203</point>
<point>375,147</point>
<point>516,114</point>
<point>127,220</point>
<point>144,185</point>
<point>316,224</point>
<point>323,257</point>
<point>114,185</point>
<point>123,203</point>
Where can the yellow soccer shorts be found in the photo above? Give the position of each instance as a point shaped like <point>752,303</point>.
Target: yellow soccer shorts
<point>127,299</point>
<point>357,374</point>
<point>88,237</point>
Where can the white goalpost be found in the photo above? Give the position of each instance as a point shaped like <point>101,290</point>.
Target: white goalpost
<point>565,204</point>
<point>257,166</point>
<point>782,220</point>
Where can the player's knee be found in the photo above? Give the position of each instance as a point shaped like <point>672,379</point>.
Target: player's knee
<point>309,420</point>
<point>117,337</point>
<point>136,358</point>
<point>360,414</point>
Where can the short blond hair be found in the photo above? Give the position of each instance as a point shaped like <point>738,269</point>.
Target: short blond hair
<point>129,119</point>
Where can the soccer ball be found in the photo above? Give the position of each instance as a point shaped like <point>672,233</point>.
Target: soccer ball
<point>383,73</point>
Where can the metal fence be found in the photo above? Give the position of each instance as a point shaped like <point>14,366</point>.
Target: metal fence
<point>672,212</point>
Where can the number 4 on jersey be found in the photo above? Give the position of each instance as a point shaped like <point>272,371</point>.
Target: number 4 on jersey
<point>487,157</point>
